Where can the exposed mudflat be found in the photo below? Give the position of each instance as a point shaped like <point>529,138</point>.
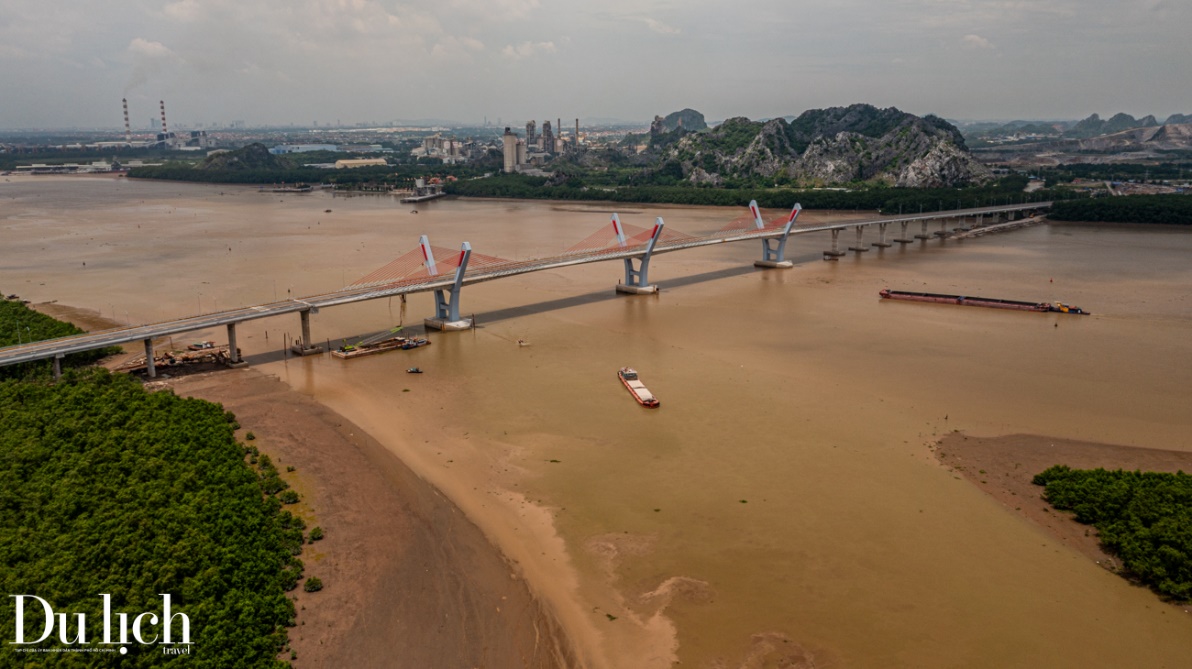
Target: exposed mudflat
<point>1004,466</point>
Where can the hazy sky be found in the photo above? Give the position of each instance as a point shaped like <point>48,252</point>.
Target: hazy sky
<point>68,62</point>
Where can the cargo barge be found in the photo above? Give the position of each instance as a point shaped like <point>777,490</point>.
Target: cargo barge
<point>990,302</point>
<point>349,351</point>
<point>636,388</point>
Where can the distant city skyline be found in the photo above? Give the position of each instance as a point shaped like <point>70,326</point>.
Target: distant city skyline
<point>275,62</point>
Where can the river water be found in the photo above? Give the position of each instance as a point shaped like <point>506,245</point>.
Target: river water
<point>783,505</point>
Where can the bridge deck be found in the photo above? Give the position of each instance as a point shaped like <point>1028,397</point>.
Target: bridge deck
<point>49,348</point>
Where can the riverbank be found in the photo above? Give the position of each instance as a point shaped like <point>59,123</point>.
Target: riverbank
<point>409,581</point>
<point>1003,468</point>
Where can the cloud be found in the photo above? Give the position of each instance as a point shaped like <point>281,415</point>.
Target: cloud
<point>527,49</point>
<point>456,49</point>
<point>185,11</point>
<point>660,27</point>
<point>977,42</point>
<point>148,58</point>
<point>144,49</point>
<point>497,10</point>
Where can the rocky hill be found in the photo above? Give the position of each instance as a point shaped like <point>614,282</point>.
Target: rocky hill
<point>252,157</point>
<point>831,146</point>
<point>687,119</point>
<point>1094,125</point>
<point>1167,137</point>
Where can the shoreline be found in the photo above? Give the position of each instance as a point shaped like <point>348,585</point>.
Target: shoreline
<point>1003,467</point>
<point>409,579</point>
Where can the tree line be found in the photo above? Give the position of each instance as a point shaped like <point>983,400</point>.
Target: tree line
<point>1163,209</point>
<point>887,200</point>
<point>1145,518</point>
<point>20,324</point>
<point>107,488</point>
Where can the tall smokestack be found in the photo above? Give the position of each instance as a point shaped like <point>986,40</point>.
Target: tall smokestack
<point>163,117</point>
<point>127,127</point>
<point>576,140</point>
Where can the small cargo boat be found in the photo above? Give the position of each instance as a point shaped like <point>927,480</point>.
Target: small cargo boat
<point>991,302</point>
<point>643,396</point>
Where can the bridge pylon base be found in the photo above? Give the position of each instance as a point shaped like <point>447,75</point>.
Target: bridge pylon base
<point>883,245</point>
<point>773,264</point>
<point>631,289</point>
<point>297,349</point>
<point>904,241</point>
<point>444,325</point>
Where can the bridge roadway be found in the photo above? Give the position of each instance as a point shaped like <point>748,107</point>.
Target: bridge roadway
<point>51,348</point>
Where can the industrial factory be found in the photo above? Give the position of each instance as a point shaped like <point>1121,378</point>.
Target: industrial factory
<point>193,140</point>
<point>535,150</point>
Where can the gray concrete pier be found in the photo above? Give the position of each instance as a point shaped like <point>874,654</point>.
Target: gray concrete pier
<point>834,252</point>
<point>444,325</point>
<point>303,347</point>
<point>233,350</point>
<point>631,289</point>
<point>150,363</point>
<point>860,246</point>
<point>881,242</point>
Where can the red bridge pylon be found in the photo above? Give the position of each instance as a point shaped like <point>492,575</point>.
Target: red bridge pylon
<point>423,263</point>
<point>618,235</point>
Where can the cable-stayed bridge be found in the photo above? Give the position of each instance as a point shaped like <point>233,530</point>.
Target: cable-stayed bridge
<point>445,272</point>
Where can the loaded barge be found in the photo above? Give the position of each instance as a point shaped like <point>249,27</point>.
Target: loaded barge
<point>636,388</point>
<point>349,351</point>
<point>991,302</point>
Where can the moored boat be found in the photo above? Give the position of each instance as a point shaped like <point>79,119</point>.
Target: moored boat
<point>349,351</point>
<point>991,302</point>
<point>636,388</point>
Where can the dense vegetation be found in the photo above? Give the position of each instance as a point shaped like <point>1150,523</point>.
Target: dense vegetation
<point>107,488</point>
<point>1117,172</point>
<point>20,324</point>
<point>9,161</point>
<point>291,169</point>
<point>888,200</point>
<point>1145,518</point>
<point>1166,209</point>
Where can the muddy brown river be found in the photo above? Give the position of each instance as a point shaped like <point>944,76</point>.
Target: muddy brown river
<point>783,504</point>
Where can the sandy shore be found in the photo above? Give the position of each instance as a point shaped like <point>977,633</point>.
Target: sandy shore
<point>409,581</point>
<point>1004,466</point>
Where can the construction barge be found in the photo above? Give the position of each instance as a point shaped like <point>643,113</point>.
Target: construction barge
<point>386,341</point>
<point>990,302</point>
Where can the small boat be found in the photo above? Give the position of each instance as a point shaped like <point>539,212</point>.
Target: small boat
<point>414,343</point>
<point>414,370</point>
<point>201,346</point>
<point>643,396</point>
<point>991,302</point>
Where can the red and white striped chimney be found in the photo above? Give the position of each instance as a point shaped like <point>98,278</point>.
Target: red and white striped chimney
<point>163,117</point>
<point>127,128</point>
